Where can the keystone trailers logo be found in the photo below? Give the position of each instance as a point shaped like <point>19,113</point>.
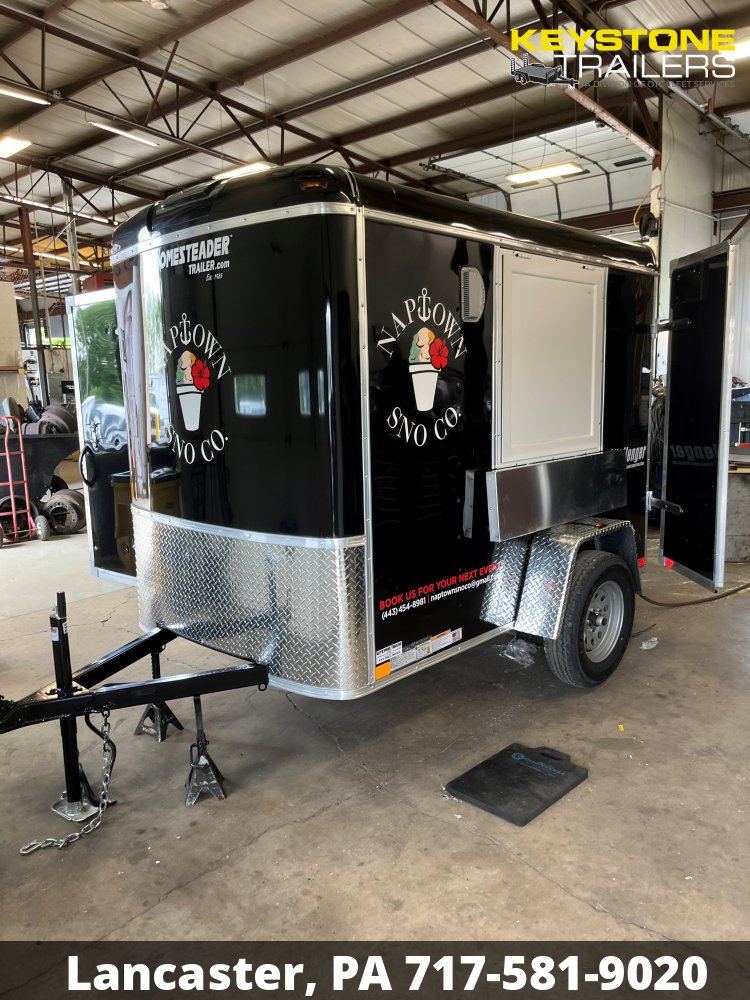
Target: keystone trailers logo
<point>661,53</point>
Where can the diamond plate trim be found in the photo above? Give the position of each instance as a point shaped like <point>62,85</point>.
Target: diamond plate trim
<point>501,594</point>
<point>299,609</point>
<point>549,572</point>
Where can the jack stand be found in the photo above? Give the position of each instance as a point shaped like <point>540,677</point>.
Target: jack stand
<point>155,719</point>
<point>157,716</point>
<point>78,802</point>
<point>86,806</point>
<point>204,774</point>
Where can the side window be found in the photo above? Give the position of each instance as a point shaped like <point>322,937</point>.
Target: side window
<point>305,400</point>
<point>250,395</point>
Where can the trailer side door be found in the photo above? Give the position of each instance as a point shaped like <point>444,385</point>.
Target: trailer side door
<point>696,436</point>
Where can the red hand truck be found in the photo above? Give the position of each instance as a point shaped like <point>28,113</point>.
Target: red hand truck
<point>18,517</point>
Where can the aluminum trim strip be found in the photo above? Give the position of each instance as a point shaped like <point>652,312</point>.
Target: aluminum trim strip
<point>115,577</point>
<point>722,486</point>
<point>518,246</point>
<point>604,365</point>
<point>364,370</point>
<point>235,222</point>
<point>497,347</point>
<point>265,538</point>
<point>649,424</point>
<point>690,574</point>
<point>331,694</point>
<point>664,447</point>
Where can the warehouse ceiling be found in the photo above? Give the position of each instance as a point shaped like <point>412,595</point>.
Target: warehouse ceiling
<point>414,90</point>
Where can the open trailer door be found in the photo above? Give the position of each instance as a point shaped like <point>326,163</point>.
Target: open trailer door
<point>696,436</point>
<point>102,431</point>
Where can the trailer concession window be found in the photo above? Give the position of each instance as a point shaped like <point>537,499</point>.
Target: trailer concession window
<point>552,358</point>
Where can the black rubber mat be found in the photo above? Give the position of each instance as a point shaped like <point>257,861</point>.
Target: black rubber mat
<point>519,782</point>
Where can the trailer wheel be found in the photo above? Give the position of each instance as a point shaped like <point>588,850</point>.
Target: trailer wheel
<point>597,623</point>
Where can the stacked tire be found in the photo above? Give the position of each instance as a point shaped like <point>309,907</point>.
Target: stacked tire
<point>53,420</point>
<point>66,512</point>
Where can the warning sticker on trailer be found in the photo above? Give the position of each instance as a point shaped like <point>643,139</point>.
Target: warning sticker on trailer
<point>388,652</point>
<point>444,639</point>
<point>402,656</point>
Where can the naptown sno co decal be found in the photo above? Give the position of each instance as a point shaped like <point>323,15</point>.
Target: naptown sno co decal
<point>200,363</point>
<point>432,334</point>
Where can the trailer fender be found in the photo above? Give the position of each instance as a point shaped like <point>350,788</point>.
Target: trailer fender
<point>546,584</point>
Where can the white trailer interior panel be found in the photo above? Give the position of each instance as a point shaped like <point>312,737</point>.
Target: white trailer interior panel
<point>553,356</point>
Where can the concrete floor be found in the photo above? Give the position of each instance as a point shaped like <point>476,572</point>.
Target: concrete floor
<point>336,826</point>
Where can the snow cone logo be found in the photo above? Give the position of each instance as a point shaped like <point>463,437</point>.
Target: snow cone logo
<point>427,357</point>
<point>435,339</point>
<point>192,378</point>
<point>200,364</point>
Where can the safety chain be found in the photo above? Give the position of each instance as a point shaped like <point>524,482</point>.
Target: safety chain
<point>109,753</point>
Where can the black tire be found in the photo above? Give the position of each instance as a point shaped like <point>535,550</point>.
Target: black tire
<point>592,642</point>
<point>22,519</point>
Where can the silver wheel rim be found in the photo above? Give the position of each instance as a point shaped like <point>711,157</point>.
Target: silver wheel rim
<point>602,622</point>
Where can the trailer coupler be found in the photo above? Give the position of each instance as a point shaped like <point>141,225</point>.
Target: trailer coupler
<point>84,692</point>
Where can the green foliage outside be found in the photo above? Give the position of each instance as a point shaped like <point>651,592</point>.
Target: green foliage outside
<point>98,352</point>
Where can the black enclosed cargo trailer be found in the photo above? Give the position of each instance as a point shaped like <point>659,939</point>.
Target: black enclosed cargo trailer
<point>392,423</point>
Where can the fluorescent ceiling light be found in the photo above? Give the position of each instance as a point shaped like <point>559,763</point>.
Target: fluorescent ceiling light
<point>57,256</point>
<point>9,146</point>
<point>741,50</point>
<point>247,168</point>
<point>50,208</point>
<point>121,131</point>
<point>21,96</point>
<point>544,173</point>
<point>50,256</point>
